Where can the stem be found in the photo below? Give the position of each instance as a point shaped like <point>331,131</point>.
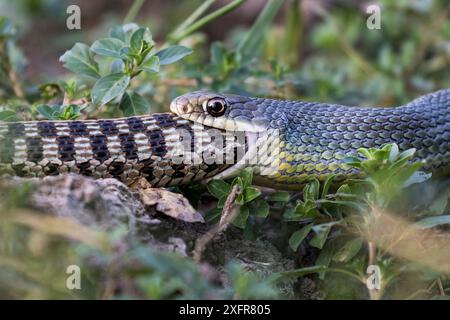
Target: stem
<point>229,213</point>
<point>12,74</point>
<point>426,291</point>
<point>440,286</point>
<point>15,83</point>
<point>254,35</point>
<point>132,13</point>
<point>191,19</point>
<point>293,34</point>
<point>295,273</point>
<point>203,21</point>
<point>372,253</point>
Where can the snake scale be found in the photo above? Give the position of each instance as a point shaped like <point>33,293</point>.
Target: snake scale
<point>297,140</point>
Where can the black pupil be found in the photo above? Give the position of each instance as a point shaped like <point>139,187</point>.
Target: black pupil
<point>217,106</point>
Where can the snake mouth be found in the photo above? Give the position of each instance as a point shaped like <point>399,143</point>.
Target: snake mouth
<point>224,123</point>
<point>249,152</point>
<point>233,150</point>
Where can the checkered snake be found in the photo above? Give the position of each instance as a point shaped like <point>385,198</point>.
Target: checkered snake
<point>209,135</point>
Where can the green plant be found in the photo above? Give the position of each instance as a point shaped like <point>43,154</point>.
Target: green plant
<point>114,61</point>
<point>59,112</point>
<point>251,203</point>
<point>221,189</point>
<point>342,222</point>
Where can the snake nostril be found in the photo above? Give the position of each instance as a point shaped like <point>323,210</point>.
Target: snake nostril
<point>184,109</point>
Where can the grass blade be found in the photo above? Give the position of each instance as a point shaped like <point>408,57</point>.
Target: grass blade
<point>251,41</point>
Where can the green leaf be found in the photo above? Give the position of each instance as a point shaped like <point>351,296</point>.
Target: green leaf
<point>431,222</point>
<point>58,112</point>
<point>394,152</point>
<point>311,190</point>
<point>251,193</point>
<point>298,236</point>
<point>349,250</point>
<point>322,231</point>
<point>241,220</point>
<point>295,273</point>
<point>109,87</point>
<point>281,196</point>
<point>366,153</point>
<point>80,60</point>
<point>9,116</point>
<point>260,209</point>
<point>172,54</point>
<point>47,111</point>
<point>137,39</point>
<point>304,210</point>
<point>117,66</point>
<point>221,201</point>
<point>246,176</point>
<point>240,199</point>
<point>151,64</point>
<point>414,178</point>
<point>407,154</point>
<point>126,54</point>
<point>219,188</point>
<point>213,216</point>
<point>109,47</point>
<point>353,161</point>
<point>117,32</point>
<point>238,181</point>
<point>133,104</point>
<point>327,184</point>
<point>129,29</point>
<point>324,259</point>
<point>69,112</point>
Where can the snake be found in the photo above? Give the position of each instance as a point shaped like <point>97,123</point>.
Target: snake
<point>208,135</point>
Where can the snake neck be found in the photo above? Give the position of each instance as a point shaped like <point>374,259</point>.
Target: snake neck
<point>315,138</point>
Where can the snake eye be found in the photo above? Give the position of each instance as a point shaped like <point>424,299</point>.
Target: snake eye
<point>216,107</point>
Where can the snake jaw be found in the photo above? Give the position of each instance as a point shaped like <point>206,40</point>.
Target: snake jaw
<point>234,170</point>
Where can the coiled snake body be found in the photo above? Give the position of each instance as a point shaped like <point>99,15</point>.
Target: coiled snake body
<point>297,140</point>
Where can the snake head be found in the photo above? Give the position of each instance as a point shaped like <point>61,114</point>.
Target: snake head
<point>221,111</point>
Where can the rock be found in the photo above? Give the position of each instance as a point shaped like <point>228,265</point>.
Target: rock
<point>104,203</point>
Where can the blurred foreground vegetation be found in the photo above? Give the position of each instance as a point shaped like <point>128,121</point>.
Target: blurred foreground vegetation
<point>293,50</point>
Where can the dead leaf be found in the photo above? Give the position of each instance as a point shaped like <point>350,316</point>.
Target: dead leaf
<point>172,204</point>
